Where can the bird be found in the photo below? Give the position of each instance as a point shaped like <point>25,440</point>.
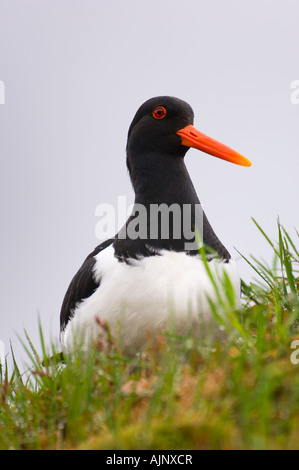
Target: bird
<point>140,283</point>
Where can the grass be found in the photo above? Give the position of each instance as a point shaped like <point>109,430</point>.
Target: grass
<point>181,393</point>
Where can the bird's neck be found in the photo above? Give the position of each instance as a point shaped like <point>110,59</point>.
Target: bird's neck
<point>164,180</point>
<point>165,183</point>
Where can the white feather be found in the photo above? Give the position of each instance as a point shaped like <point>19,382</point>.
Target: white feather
<point>149,295</point>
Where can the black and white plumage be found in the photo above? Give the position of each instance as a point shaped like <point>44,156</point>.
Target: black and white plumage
<point>138,285</point>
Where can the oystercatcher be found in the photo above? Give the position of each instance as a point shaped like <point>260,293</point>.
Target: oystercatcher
<point>151,274</point>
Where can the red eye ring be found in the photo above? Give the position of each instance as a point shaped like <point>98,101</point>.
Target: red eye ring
<point>159,112</point>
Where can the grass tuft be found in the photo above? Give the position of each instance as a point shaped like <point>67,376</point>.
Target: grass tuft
<point>181,393</point>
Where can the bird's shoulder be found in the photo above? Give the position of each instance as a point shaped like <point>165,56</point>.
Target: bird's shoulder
<point>82,286</point>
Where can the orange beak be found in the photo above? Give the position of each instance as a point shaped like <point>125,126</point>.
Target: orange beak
<point>191,137</point>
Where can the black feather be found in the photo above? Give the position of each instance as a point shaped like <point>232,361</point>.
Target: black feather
<point>82,286</point>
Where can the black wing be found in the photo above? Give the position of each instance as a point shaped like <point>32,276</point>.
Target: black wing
<point>81,287</point>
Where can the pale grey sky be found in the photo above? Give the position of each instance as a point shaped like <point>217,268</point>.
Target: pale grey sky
<point>75,72</point>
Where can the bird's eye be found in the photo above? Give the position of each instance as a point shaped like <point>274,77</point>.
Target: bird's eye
<point>159,112</point>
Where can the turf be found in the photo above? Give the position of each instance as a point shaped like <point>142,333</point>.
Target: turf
<point>237,392</point>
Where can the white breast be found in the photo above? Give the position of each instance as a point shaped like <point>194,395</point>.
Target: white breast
<point>149,296</point>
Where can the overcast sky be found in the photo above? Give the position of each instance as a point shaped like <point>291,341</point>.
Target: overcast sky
<point>75,72</point>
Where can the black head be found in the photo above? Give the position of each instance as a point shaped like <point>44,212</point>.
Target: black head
<point>163,128</point>
<point>159,136</point>
<point>154,127</point>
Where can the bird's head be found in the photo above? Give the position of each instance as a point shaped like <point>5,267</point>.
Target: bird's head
<point>164,126</point>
